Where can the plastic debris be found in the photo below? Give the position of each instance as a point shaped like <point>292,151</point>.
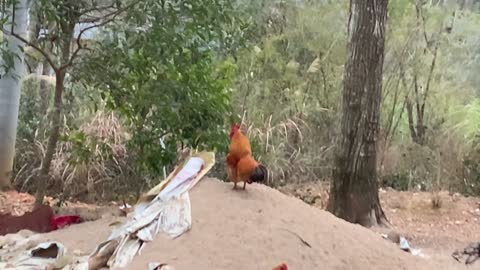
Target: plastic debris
<point>42,257</point>
<point>165,208</point>
<point>403,244</point>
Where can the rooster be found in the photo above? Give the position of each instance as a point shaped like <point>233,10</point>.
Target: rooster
<point>242,167</point>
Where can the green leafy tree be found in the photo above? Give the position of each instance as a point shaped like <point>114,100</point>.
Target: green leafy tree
<point>61,47</point>
<point>161,69</point>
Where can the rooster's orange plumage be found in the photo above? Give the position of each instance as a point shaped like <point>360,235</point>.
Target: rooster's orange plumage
<point>242,167</point>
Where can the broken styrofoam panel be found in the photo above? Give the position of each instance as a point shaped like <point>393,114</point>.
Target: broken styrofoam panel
<point>146,217</point>
<point>209,162</point>
<point>178,205</point>
<point>12,244</point>
<point>209,159</point>
<point>136,223</point>
<point>98,259</point>
<point>125,252</point>
<point>46,255</point>
<point>172,216</point>
<point>146,234</point>
<point>169,211</point>
<point>174,219</point>
<point>177,216</point>
<point>181,182</point>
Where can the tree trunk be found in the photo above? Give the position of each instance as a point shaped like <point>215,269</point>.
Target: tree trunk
<point>44,89</point>
<point>52,139</point>
<point>33,30</point>
<point>354,191</point>
<point>56,121</point>
<point>10,86</point>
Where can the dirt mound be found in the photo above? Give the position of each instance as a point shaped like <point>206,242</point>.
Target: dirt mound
<point>258,229</point>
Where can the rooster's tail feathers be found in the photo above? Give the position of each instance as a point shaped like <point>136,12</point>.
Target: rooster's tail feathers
<point>260,174</point>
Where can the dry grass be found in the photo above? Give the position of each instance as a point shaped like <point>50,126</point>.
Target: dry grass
<point>290,149</point>
<point>109,152</point>
<point>95,176</point>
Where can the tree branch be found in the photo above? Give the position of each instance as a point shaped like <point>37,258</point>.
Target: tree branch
<point>13,17</point>
<point>37,48</point>
<point>429,79</point>
<point>411,125</point>
<point>421,18</point>
<point>107,20</point>
<point>29,67</point>
<point>26,42</point>
<point>417,98</point>
<point>97,9</point>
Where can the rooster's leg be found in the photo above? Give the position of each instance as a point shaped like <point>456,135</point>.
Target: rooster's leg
<point>234,185</point>
<point>244,184</point>
<point>231,174</point>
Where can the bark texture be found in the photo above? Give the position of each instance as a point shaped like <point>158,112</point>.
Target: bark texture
<point>354,190</point>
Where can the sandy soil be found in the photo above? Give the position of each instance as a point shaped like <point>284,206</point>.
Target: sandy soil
<point>454,224</point>
<point>259,229</point>
<point>451,226</point>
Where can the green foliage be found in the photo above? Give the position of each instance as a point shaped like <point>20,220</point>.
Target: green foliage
<point>83,147</point>
<point>179,73</point>
<point>158,71</point>
<point>33,107</point>
<point>407,50</point>
<point>465,122</point>
<point>288,86</point>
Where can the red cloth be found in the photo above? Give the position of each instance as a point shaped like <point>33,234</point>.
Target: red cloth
<point>62,221</point>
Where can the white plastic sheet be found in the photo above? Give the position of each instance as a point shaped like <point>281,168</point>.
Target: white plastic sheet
<point>168,212</point>
<point>28,261</point>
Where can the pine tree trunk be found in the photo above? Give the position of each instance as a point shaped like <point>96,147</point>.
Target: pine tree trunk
<point>354,191</point>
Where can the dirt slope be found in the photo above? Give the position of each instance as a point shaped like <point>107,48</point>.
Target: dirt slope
<point>253,230</point>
